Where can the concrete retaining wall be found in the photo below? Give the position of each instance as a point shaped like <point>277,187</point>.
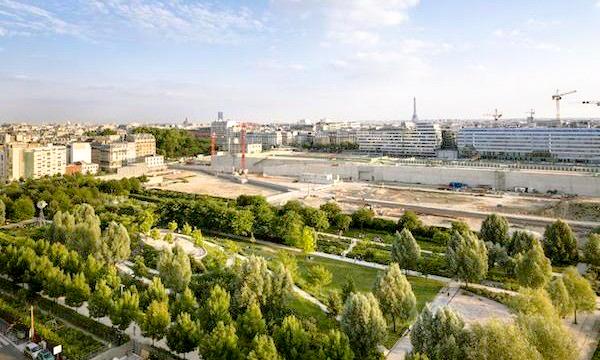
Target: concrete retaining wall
<point>579,183</point>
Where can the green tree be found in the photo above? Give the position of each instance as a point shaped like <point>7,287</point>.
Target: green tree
<point>342,221</point>
<point>23,209</point>
<point>116,245</point>
<point>198,238</point>
<point>78,291</point>
<point>591,250</point>
<point>335,345</point>
<point>495,230</point>
<point>291,339</point>
<point>156,320</point>
<point>2,212</point>
<point>217,308</point>
<point>241,222</point>
<point>409,221</point>
<point>155,234</point>
<point>440,335</point>
<point>560,244</point>
<point>263,348</point>
<point>156,291</point>
<point>348,288</point>
<point>331,209</point>
<point>362,217</point>
<point>308,241</point>
<point>521,242</point>
<point>175,268</point>
<point>185,302</point>
<point>125,310</point>
<point>395,295</point>
<point>55,282</point>
<point>467,257</point>
<point>560,297</point>
<point>187,229</point>
<point>549,337</point>
<point>173,226</point>
<point>405,250</point>
<point>290,228</point>
<point>221,344</point>
<point>316,218</point>
<point>250,324</point>
<point>497,340</point>
<point>319,276</point>
<point>183,335</point>
<point>533,268</point>
<point>580,292</point>
<point>364,324</point>
<point>100,300</point>
<point>139,267</point>
<point>334,303</point>
<point>461,227</point>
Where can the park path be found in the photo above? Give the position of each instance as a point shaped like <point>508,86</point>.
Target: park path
<point>353,243</point>
<point>186,243</point>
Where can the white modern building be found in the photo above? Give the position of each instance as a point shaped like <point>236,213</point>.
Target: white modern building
<point>79,152</point>
<point>412,139</point>
<point>560,143</point>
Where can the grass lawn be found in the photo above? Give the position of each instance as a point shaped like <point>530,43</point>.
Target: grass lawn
<point>364,279</point>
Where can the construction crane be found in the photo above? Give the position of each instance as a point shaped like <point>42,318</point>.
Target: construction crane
<point>588,102</point>
<point>558,97</point>
<point>530,117</point>
<point>496,115</point>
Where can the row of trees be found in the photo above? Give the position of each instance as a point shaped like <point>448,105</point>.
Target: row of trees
<point>176,143</point>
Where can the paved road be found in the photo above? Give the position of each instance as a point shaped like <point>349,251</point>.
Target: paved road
<point>8,351</point>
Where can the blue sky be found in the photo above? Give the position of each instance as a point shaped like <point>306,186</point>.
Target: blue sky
<point>281,60</point>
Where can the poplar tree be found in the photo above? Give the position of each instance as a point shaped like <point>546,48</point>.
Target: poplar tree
<point>395,295</point>
<point>405,250</point>
<point>533,268</point>
<point>467,257</point>
<point>364,324</point>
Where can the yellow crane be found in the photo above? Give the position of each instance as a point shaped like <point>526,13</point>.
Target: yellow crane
<point>558,97</point>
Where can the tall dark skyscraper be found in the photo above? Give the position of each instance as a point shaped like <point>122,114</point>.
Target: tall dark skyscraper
<point>220,116</point>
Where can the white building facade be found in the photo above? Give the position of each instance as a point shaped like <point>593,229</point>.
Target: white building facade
<point>562,144</point>
<point>412,139</point>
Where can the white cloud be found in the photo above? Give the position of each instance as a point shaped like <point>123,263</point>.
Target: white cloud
<point>17,18</point>
<point>272,64</point>
<point>180,20</point>
<point>517,37</point>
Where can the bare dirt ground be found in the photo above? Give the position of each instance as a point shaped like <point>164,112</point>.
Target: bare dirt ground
<point>200,183</point>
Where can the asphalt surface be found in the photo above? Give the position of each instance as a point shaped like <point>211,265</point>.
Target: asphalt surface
<point>8,351</point>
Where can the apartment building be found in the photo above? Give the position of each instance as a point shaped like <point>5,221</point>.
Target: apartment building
<point>111,156</point>
<point>145,145</point>
<point>411,139</point>
<point>46,160</point>
<point>268,140</point>
<point>224,132</point>
<point>531,143</point>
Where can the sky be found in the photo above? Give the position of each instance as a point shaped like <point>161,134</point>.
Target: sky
<point>284,60</point>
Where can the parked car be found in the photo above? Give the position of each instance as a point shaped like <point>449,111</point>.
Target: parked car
<point>44,355</point>
<point>32,350</point>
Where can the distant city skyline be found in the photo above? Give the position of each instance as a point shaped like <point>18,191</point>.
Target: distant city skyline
<point>283,60</point>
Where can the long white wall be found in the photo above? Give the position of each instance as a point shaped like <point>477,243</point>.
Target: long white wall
<point>502,179</point>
